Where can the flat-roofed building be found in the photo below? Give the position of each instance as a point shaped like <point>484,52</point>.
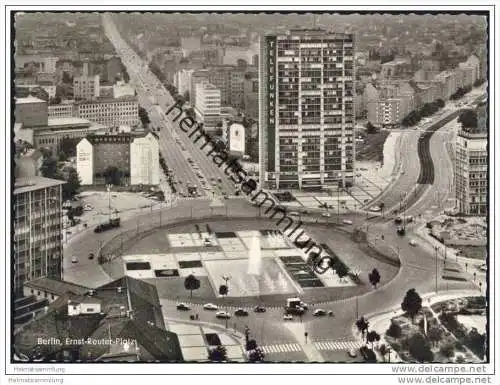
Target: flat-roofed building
<point>86,87</point>
<point>110,112</point>
<point>37,223</point>
<point>31,112</point>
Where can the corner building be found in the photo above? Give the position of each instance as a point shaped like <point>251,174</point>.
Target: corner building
<point>306,109</point>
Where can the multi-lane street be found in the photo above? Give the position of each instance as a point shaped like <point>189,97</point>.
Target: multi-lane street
<point>175,145</point>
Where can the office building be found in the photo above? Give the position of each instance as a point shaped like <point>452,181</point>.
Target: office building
<point>471,169</point>
<point>111,113</point>
<point>306,117</point>
<point>63,110</point>
<point>208,105</point>
<point>86,87</point>
<point>37,248</point>
<point>135,156</point>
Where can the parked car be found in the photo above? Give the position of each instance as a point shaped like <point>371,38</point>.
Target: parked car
<point>74,259</point>
<point>347,222</point>
<point>287,317</point>
<point>259,309</point>
<point>327,215</point>
<point>294,214</point>
<point>375,209</point>
<point>319,312</point>
<point>241,313</point>
<point>183,307</point>
<point>413,242</point>
<point>210,306</point>
<point>223,314</point>
<point>91,256</point>
<point>352,353</point>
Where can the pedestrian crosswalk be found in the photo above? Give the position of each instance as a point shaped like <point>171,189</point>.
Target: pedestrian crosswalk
<point>337,345</point>
<point>281,348</point>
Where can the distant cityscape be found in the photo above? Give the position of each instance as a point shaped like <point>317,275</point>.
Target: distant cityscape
<point>368,130</point>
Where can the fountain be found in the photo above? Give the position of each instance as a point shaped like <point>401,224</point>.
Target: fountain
<point>255,262</point>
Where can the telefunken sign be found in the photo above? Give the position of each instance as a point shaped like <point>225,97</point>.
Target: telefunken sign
<point>220,157</point>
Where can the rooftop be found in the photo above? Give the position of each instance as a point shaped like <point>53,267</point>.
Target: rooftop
<point>56,286</point>
<point>34,183</point>
<point>108,100</point>
<point>68,121</point>
<point>28,100</point>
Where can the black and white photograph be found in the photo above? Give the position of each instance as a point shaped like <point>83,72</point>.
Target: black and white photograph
<point>201,189</point>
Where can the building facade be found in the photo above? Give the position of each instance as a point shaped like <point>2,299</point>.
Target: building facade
<point>306,117</point>
<point>208,104</point>
<point>471,172</point>
<point>111,113</point>
<point>37,248</point>
<point>135,156</point>
<point>31,112</point>
<point>64,110</point>
<point>86,87</point>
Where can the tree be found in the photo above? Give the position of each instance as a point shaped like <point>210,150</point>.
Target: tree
<point>190,112</point>
<point>144,117</point>
<point>468,118</point>
<point>112,175</point>
<point>217,354</point>
<point>68,146</point>
<point>370,128</point>
<point>223,290</point>
<point>66,78</point>
<point>55,100</point>
<point>374,277</point>
<point>447,350</point>
<point>434,334</point>
<point>419,348</point>
<point>440,103</point>
<point>191,283</point>
<point>412,303</point>
<point>72,185</point>
<point>362,325</point>
<point>368,354</point>
<point>62,157</point>
<point>251,345</point>
<point>382,205</point>
<point>313,258</point>
<point>218,131</point>
<point>394,330</point>
<point>372,337</point>
<point>49,167</point>
<point>256,355</point>
<point>384,350</point>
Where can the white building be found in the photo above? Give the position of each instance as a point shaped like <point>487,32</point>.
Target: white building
<point>145,161</point>
<point>122,89</point>
<point>182,81</point>
<point>207,104</point>
<point>48,64</point>
<point>86,87</point>
<point>234,135</point>
<point>63,110</point>
<point>471,172</point>
<point>112,113</point>
<point>136,157</point>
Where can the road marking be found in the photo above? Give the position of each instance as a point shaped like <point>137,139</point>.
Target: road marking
<point>337,345</point>
<point>281,348</point>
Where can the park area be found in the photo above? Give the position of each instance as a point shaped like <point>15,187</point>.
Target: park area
<point>372,148</point>
<point>447,332</point>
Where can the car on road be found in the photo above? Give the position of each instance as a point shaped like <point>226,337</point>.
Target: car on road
<point>294,214</point>
<point>375,209</point>
<point>241,313</point>
<point>91,256</point>
<point>352,353</point>
<point>183,307</point>
<point>210,306</point>
<point>413,242</point>
<point>223,314</point>
<point>483,267</point>
<point>74,260</point>
<point>347,222</point>
<point>319,312</point>
<point>327,215</point>
<point>287,317</point>
<point>259,309</point>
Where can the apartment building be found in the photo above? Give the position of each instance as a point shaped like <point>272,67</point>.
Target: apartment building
<point>307,89</point>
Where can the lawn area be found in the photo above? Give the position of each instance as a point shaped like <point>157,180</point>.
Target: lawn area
<point>373,147</point>
<point>476,252</point>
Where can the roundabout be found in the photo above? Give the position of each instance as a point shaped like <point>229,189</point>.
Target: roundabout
<point>147,234</point>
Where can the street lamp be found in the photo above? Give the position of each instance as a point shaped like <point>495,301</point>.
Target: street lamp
<point>436,255</point>
<point>226,279</point>
<point>108,187</point>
